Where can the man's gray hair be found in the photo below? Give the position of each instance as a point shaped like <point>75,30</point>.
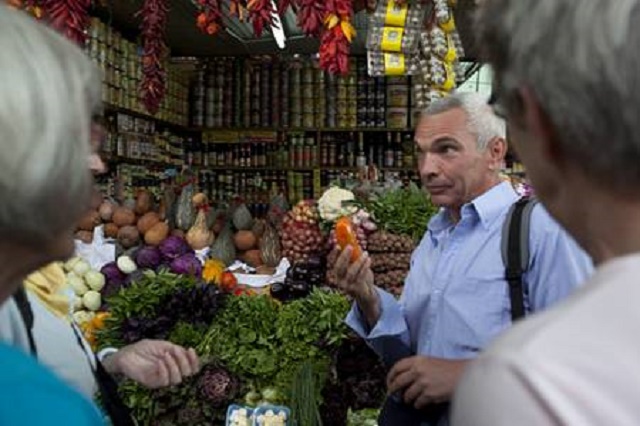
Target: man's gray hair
<point>580,58</point>
<point>482,121</point>
<point>48,90</point>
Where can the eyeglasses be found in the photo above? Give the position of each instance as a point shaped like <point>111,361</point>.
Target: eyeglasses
<point>496,105</point>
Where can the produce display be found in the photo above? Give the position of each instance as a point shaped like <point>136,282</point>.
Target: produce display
<point>300,235</point>
<point>262,351</point>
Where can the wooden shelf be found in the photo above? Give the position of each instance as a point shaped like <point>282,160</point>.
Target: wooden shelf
<point>299,129</point>
<point>139,161</point>
<point>108,107</point>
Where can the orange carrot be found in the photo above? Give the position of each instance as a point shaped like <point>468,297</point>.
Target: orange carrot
<point>346,236</point>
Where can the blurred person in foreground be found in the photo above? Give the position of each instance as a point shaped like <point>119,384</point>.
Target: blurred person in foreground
<point>48,90</point>
<point>567,77</point>
<point>456,297</point>
<point>42,324</point>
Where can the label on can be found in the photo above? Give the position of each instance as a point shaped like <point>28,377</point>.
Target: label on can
<point>394,64</point>
<point>396,15</point>
<point>392,39</point>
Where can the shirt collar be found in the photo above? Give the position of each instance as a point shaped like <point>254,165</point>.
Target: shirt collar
<point>493,202</point>
<point>487,207</point>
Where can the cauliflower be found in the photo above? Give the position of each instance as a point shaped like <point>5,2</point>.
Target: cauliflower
<point>95,280</point>
<point>92,300</point>
<point>77,284</point>
<point>331,205</point>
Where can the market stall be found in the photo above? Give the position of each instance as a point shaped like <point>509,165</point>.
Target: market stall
<point>234,177</point>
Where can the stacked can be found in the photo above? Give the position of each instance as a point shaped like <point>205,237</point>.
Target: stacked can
<point>309,94</point>
<point>320,110</point>
<point>331,90</point>
<point>265,94</point>
<point>284,95</point>
<point>197,98</point>
<point>256,94</point>
<point>228,93</point>
<point>295,98</point>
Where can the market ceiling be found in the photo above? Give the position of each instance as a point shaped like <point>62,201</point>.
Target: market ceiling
<point>185,39</point>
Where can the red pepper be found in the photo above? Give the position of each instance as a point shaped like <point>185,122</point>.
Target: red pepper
<point>153,27</point>
<point>209,19</point>
<point>70,17</point>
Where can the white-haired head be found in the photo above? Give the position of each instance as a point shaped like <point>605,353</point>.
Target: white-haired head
<point>48,91</point>
<point>580,59</point>
<point>482,121</point>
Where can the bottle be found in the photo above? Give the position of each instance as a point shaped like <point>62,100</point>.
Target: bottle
<point>398,151</point>
<point>351,154</point>
<point>389,156</point>
<point>361,160</point>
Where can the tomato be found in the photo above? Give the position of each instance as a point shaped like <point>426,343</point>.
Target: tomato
<point>228,281</point>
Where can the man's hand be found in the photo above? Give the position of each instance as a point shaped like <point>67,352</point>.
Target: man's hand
<point>425,380</point>
<point>154,363</point>
<point>356,280</point>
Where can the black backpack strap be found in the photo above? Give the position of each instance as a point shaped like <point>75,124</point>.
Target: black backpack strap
<point>22,302</point>
<point>118,412</point>
<point>515,252</point>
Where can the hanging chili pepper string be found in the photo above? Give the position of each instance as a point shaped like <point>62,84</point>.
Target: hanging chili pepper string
<point>337,37</point>
<point>310,16</point>
<point>153,26</point>
<point>260,15</point>
<point>69,17</point>
<point>209,19</point>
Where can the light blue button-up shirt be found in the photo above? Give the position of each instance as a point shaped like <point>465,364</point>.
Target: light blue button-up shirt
<point>456,300</point>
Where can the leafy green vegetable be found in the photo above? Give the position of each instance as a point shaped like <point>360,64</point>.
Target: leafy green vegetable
<point>141,299</point>
<point>404,211</point>
<point>304,402</point>
<point>368,417</point>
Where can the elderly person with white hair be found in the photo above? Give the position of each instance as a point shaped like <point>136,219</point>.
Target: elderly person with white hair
<point>48,90</point>
<point>457,298</point>
<point>567,80</point>
<point>46,184</point>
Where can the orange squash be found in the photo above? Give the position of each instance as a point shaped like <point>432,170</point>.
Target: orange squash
<point>346,236</point>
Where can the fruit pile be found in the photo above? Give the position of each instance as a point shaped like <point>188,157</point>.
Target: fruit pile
<point>390,260</point>
<point>301,236</point>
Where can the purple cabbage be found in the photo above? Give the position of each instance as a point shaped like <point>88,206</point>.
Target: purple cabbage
<point>148,257</point>
<point>112,274</point>
<point>174,247</point>
<point>187,264</point>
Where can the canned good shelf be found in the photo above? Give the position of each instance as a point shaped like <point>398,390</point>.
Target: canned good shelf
<point>299,129</point>
<point>139,161</point>
<point>116,109</point>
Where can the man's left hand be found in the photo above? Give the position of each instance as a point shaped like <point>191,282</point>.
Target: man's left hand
<point>154,363</point>
<point>424,380</point>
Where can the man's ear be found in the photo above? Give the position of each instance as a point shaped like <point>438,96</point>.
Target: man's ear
<point>496,150</point>
<point>540,126</point>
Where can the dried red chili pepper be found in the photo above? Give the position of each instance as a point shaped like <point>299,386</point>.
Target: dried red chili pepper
<point>153,27</point>
<point>283,5</point>
<point>70,17</point>
<point>334,51</point>
<point>209,20</point>
<point>260,15</point>
<point>311,14</point>
<point>337,37</point>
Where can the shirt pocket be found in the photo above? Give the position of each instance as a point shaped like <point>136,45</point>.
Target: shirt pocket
<point>480,310</point>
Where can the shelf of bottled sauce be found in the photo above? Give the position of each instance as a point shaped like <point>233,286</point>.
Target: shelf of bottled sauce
<point>311,150</point>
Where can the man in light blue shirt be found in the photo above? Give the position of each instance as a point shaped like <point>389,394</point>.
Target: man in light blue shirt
<point>456,299</point>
